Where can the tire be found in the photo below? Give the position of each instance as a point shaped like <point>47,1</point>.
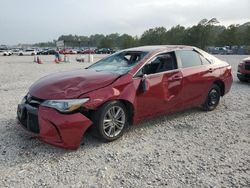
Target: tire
<point>106,125</point>
<point>213,98</point>
<point>242,79</point>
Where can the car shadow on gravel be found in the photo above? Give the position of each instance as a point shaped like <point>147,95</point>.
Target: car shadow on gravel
<point>242,83</point>
<point>168,118</point>
<point>17,145</point>
<point>89,141</point>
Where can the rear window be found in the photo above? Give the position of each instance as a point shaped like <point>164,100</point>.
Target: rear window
<point>189,58</point>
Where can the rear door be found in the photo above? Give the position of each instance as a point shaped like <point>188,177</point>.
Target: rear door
<point>198,76</point>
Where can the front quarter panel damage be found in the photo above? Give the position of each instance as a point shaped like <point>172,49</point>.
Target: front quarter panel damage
<point>121,89</point>
<point>62,130</point>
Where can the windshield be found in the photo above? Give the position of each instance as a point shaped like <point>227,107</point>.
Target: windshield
<point>120,62</point>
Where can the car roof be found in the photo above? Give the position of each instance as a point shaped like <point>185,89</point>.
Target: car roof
<point>161,48</point>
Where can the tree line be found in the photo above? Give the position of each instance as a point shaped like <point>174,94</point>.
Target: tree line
<point>205,33</point>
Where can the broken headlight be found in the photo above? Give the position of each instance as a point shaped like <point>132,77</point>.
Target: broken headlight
<point>65,106</point>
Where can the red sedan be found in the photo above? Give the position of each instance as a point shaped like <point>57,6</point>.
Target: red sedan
<point>88,51</point>
<point>67,51</point>
<point>122,89</point>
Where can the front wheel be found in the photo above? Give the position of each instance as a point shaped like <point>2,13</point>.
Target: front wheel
<point>110,121</point>
<point>213,98</point>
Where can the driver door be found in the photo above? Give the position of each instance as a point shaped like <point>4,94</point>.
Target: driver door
<point>163,80</point>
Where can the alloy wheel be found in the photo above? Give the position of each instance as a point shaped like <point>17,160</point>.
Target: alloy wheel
<point>114,121</point>
<point>213,97</point>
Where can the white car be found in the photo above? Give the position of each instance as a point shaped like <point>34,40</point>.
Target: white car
<point>27,52</point>
<point>15,51</point>
<point>5,52</point>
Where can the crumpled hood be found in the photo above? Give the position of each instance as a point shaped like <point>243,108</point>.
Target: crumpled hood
<point>70,84</point>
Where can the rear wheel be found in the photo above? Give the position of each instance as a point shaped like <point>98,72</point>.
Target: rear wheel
<point>110,121</point>
<point>213,98</point>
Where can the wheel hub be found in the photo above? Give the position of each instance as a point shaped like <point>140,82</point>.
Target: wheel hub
<point>114,121</point>
<point>213,97</point>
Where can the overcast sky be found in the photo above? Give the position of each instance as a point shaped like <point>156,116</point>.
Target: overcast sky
<point>29,21</point>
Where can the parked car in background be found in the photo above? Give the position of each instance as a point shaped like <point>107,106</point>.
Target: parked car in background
<point>47,52</point>
<point>104,51</point>
<point>220,50</point>
<point>73,51</point>
<point>15,51</point>
<point>5,52</point>
<point>68,51</point>
<point>243,73</point>
<point>27,52</point>
<point>240,50</point>
<point>79,51</point>
<point>124,88</point>
<point>88,51</point>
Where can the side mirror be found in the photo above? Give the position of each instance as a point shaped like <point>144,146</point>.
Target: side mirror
<point>144,83</point>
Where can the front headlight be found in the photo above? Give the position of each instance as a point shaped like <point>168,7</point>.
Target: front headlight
<point>65,105</point>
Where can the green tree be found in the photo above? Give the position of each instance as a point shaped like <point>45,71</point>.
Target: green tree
<point>205,33</point>
<point>126,41</point>
<point>175,35</point>
<point>246,36</point>
<point>154,36</point>
<point>229,36</point>
<point>106,42</point>
<point>95,40</point>
<point>200,35</point>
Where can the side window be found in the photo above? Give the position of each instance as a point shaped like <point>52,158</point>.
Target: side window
<point>204,61</point>
<point>160,63</point>
<point>189,58</point>
<point>132,58</point>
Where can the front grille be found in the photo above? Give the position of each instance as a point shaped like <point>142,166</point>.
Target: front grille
<point>247,66</point>
<point>28,113</point>
<point>22,116</point>
<point>32,123</point>
<point>33,101</point>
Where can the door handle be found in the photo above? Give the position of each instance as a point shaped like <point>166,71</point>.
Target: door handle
<point>176,78</point>
<point>210,70</point>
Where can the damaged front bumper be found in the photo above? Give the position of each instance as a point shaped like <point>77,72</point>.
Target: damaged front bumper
<point>62,130</point>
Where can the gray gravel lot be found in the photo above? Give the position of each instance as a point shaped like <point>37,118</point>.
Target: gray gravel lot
<point>187,149</point>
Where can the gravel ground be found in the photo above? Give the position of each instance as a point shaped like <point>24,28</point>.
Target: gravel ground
<point>188,149</point>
